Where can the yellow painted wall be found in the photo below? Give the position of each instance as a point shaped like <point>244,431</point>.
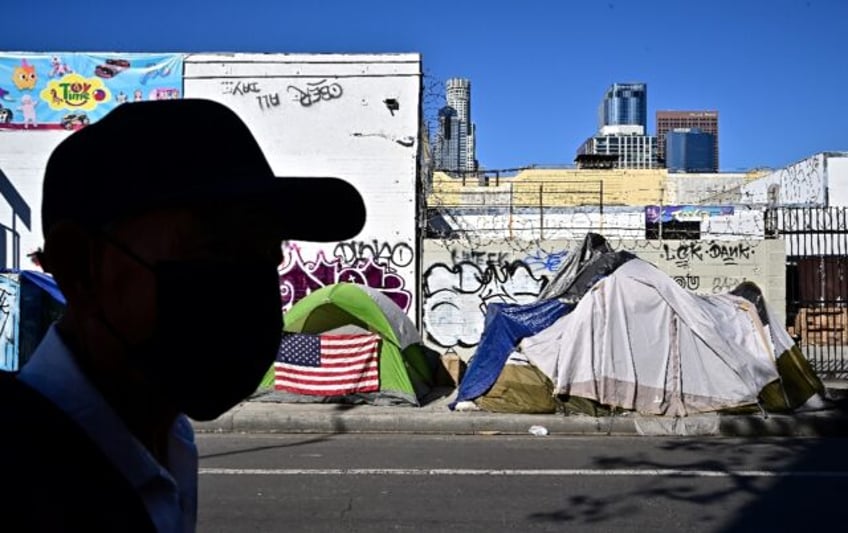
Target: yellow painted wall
<point>554,187</point>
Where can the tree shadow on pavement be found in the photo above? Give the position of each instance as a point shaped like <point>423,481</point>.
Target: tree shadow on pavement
<point>808,488</point>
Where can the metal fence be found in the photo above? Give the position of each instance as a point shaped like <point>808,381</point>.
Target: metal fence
<point>816,281</point>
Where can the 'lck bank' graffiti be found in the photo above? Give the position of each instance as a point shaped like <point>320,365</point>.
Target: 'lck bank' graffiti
<point>69,91</point>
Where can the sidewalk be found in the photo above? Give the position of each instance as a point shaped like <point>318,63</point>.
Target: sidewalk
<point>258,416</point>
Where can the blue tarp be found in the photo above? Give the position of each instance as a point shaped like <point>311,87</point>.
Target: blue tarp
<point>506,325</point>
<point>46,283</point>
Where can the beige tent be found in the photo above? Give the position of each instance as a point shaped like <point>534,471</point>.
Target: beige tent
<point>637,341</point>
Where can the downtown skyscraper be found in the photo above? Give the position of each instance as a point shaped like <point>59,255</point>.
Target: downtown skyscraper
<point>703,121</point>
<point>624,104</point>
<point>621,136</point>
<point>454,147</point>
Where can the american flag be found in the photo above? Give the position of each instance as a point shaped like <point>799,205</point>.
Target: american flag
<point>328,365</point>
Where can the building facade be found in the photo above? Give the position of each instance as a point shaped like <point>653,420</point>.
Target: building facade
<point>624,104</point>
<point>628,144</point>
<point>706,121</point>
<point>690,150</point>
<point>312,114</point>
<point>454,146</point>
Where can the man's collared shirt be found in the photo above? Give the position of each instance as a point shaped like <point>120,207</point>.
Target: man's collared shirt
<point>169,491</point>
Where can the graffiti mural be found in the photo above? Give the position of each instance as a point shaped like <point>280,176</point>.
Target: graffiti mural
<point>456,297</point>
<point>299,277</point>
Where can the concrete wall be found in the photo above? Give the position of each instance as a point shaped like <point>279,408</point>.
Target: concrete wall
<point>554,188</point>
<point>460,280</point>
<point>701,188</point>
<point>573,223</point>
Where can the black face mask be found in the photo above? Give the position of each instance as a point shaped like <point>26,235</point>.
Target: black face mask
<point>217,332</point>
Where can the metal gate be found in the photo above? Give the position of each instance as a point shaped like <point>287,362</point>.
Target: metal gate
<point>816,282</point>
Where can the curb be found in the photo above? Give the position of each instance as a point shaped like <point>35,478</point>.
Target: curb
<point>260,417</point>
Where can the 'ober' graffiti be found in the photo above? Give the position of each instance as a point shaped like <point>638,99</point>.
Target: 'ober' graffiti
<point>316,91</point>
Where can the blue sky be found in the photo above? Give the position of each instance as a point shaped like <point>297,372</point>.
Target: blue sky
<point>776,70</point>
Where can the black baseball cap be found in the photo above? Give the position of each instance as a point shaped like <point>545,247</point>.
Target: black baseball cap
<point>144,156</point>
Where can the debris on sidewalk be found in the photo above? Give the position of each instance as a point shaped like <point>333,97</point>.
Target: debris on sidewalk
<point>538,431</point>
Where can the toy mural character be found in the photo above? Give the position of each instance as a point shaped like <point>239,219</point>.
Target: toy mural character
<point>54,95</point>
<point>138,96</point>
<point>24,77</point>
<point>27,108</point>
<point>121,98</point>
<point>111,68</point>
<point>59,68</point>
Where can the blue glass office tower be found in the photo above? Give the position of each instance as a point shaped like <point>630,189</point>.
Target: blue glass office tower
<point>690,150</point>
<point>624,104</point>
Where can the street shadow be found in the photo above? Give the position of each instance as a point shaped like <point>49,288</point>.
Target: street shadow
<point>251,449</point>
<point>808,488</point>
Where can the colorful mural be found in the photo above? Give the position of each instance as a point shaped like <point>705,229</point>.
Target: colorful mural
<point>69,91</point>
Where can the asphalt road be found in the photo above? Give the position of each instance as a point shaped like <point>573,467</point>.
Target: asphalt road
<point>499,483</point>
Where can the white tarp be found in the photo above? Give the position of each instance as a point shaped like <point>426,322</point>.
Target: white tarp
<point>638,341</point>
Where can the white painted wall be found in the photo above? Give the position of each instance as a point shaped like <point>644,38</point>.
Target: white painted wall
<point>836,166</point>
<point>742,224</point>
<point>333,115</point>
<point>354,117</point>
<point>23,157</point>
<point>801,184</point>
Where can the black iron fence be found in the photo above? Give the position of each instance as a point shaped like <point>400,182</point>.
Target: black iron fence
<point>816,281</point>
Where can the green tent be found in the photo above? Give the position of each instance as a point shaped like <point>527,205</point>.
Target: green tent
<point>405,373</point>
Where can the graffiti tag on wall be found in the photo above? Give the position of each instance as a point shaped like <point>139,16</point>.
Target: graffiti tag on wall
<point>550,261</point>
<point>456,297</point>
<point>481,259</point>
<point>251,88</point>
<point>316,91</point>
<point>399,254</point>
<point>684,253</point>
<point>240,87</point>
<point>299,277</point>
<point>718,285</point>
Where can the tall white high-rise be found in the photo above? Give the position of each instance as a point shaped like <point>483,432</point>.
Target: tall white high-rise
<point>454,145</point>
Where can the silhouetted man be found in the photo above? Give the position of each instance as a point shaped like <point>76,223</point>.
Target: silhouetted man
<point>163,225</point>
